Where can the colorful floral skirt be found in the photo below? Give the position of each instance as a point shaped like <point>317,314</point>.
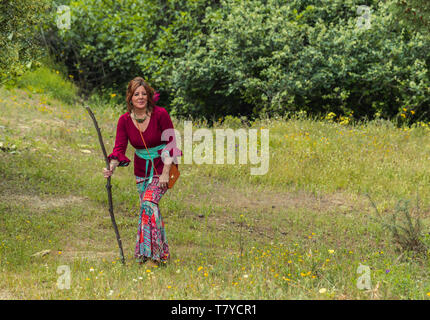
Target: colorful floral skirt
<point>151,242</point>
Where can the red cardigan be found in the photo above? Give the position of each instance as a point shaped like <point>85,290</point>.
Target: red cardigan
<point>126,131</point>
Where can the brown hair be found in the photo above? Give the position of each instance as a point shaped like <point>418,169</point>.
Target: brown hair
<point>132,86</point>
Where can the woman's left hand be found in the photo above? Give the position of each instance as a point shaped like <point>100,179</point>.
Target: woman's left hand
<point>163,181</point>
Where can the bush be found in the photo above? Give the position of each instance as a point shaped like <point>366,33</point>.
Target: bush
<point>19,41</point>
<point>110,42</point>
<point>274,57</point>
<point>407,231</point>
<point>251,58</point>
<point>414,13</point>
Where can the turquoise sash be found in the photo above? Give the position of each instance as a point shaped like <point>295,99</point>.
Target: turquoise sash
<point>151,154</point>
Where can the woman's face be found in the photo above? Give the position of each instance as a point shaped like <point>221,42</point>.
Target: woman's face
<point>139,98</point>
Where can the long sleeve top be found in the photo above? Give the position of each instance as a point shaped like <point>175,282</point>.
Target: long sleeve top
<point>127,131</point>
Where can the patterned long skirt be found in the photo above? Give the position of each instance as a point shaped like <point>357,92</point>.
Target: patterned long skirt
<point>151,242</point>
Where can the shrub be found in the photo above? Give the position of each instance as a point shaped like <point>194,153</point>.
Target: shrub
<point>414,13</point>
<point>251,58</point>
<point>19,41</point>
<point>274,57</point>
<point>407,231</point>
<point>110,42</point>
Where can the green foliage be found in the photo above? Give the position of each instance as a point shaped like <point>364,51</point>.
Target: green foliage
<point>19,41</point>
<point>252,58</point>
<point>110,41</point>
<point>408,234</point>
<point>415,13</point>
<point>273,57</point>
<point>406,230</point>
<point>234,122</point>
<point>48,79</point>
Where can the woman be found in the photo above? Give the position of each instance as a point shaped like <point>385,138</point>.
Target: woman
<point>143,126</point>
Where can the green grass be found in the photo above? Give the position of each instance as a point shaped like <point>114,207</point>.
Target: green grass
<point>49,79</point>
<point>304,226</point>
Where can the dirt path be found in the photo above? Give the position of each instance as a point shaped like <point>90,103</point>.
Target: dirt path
<point>216,193</point>
<point>38,202</point>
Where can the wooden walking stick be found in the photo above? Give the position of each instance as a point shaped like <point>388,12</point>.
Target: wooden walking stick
<point>108,186</point>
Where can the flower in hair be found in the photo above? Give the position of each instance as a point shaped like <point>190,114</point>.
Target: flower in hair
<point>156,96</point>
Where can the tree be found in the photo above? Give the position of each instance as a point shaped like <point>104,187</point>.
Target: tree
<point>19,41</point>
<point>415,13</point>
<point>273,57</point>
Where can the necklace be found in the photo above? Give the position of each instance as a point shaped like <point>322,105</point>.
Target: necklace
<point>139,120</point>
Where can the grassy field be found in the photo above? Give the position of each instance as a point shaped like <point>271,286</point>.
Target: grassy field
<point>299,232</point>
